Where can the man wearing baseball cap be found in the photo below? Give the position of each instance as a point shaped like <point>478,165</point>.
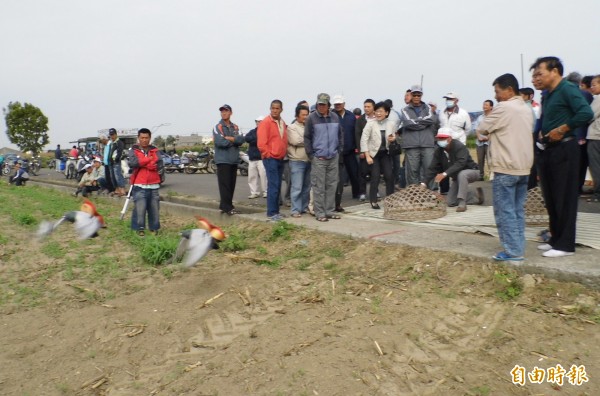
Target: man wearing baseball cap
<point>418,131</point>
<point>227,141</point>
<point>87,184</point>
<point>99,173</point>
<point>116,154</point>
<point>349,150</point>
<point>323,142</point>
<point>452,160</point>
<point>455,118</point>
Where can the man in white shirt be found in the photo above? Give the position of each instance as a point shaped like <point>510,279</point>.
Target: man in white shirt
<point>455,118</point>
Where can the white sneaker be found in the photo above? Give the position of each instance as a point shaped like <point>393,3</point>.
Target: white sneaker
<point>252,196</point>
<point>545,247</point>
<point>264,195</point>
<point>362,198</point>
<point>556,253</point>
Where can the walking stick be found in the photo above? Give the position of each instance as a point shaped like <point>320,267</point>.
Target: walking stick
<point>126,202</point>
<point>124,210</point>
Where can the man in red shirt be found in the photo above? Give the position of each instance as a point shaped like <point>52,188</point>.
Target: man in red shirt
<point>272,143</point>
<point>145,159</point>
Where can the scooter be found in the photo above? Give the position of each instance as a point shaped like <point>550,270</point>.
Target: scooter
<point>71,168</point>
<point>173,163</point>
<point>243,163</point>
<point>81,162</point>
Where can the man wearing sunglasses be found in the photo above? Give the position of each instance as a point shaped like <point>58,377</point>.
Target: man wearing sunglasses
<point>418,131</point>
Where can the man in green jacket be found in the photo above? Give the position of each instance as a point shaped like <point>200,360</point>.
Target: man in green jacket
<point>563,110</point>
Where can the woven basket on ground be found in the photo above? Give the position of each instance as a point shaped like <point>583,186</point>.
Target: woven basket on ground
<point>414,203</point>
<point>535,209</point>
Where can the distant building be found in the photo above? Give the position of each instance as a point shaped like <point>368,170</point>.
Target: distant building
<point>8,150</point>
<point>192,140</point>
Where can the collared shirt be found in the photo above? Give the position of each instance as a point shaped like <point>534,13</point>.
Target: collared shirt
<point>458,120</point>
<point>565,105</point>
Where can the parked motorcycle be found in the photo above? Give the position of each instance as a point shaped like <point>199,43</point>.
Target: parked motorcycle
<point>71,168</point>
<point>6,168</point>
<point>244,163</point>
<point>197,162</point>
<point>172,163</point>
<point>81,162</point>
<point>35,166</point>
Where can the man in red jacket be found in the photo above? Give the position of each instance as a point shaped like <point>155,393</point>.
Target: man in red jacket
<point>272,143</point>
<point>145,160</point>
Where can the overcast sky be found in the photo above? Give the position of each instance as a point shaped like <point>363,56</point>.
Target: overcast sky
<point>91,65</point>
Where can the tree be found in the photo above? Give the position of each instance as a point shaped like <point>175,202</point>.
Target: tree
<point>27,126</point>
<point>170,140</point>
<point>159,141</point>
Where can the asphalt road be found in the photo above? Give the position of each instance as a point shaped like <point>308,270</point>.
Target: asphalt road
<point>205,185</point>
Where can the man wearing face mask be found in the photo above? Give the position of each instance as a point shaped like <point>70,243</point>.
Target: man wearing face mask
<point>455,118</point>
<point>452,160</point>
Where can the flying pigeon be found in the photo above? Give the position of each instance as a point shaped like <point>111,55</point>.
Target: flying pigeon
<point>87,222</point>
<point>196,243</point>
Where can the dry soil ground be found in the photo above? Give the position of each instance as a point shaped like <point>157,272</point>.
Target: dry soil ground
<point>278,310</point>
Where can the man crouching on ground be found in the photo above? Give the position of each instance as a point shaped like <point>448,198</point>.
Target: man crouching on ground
<point>452,160</point>
<point>144,160</point>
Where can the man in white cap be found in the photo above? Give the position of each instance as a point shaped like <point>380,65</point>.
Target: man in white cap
<point>452,160</point>
<point>348,156</point>
<point>99,173</point>
<point>257,176</point>
<point>87,184</point>
<point>455,118</point>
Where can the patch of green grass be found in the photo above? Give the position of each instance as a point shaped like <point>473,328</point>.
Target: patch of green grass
<point>274,263</point>
<point>300,253</point>
<point>376,304</point>
<point>303,265</point>
<point>334,253</point>
<point>261,250</point>
<point>236,241</point>
<point>104,266</point>
<point>509,286</point>
<point>54,250</point>
<point>3,240</point>
<point>167,272</point>
<point>332,268</point>
<point>63,388</point>
<point>26,219</point>
<point>157,250</point>
<point>483,390</point>
<point>282,230</point>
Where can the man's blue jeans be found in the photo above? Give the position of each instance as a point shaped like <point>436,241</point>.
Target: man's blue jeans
<point>116,174</point>
<point>510,193</point>
<point>300,194</point>
<point>146,200</point>
<point>274,169</point>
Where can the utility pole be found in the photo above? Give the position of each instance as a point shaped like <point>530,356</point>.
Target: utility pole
<point>522,73</point>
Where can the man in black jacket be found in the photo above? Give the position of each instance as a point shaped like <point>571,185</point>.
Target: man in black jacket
<point>452,160</point>
<point>257,175</point>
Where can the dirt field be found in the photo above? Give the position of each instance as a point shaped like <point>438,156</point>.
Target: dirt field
<point>278,310</point>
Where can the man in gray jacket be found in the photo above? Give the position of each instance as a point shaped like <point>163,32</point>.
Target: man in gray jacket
<point>227,155</point>
<point>323,140</point>
<point>418,132</point>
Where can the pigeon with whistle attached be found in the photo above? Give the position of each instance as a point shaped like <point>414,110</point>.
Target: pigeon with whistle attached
<point>196,243</point>
<point>87,221</point>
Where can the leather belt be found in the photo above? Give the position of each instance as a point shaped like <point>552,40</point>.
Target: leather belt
<point>564,140</point>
